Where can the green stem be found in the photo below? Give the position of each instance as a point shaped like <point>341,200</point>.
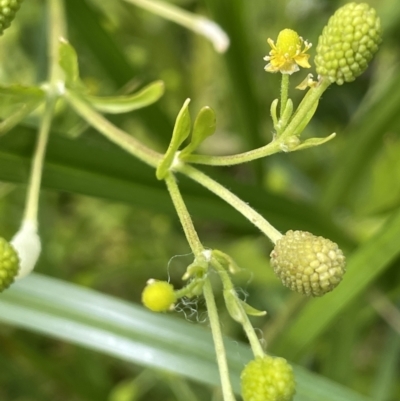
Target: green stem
<point>184,216</point>
<point>273,147</point>
<point>259,221</point>
<point>218,342</point>
<point>284,93</point>
<point>245,321</point>
<point>56,30</point>
<point>110,131</point>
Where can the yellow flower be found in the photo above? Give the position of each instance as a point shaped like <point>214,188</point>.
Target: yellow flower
<point>287,55</point>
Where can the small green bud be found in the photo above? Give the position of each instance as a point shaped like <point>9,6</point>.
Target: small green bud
<point>9,264</point>
<point>267,379</point>
<point>158,296</point>
<point>348,43</point>
<point>308,264</point>
<point>8,9</point>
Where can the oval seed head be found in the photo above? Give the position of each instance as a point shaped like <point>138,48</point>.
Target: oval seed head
<point>9,264</point>
<point>267,379</point>
<point>348,43</point>
<point>308,264</point>
<point>8,9</point>
<point>158,296</point>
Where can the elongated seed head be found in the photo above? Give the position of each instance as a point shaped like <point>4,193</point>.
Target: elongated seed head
<point>348,43</point>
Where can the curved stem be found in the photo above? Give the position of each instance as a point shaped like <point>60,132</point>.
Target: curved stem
<point>259,221</point>
<point>276,145</point>
<point>218,341</point>
<point>56,30</point>
<point>184,216</point>
<point>110,131</point>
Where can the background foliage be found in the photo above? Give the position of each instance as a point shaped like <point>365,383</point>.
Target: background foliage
<point>108,225</point>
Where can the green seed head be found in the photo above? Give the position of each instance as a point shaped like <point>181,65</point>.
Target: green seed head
<point>8,9</point>
<point>308,264</point>
<point>348,43</point>
<point>9,264</point>
<point>267,379</point>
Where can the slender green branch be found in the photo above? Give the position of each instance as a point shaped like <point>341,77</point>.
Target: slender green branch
<point>218,342</point>
<point>56,30</point>
<point>231,160</point>
<point>110,131</point>
<point>184,216</point>
<point>213,186</point>
<point>276,145</point>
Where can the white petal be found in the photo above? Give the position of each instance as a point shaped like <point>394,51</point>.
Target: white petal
<point>27,244</point>
<point>213,32</point>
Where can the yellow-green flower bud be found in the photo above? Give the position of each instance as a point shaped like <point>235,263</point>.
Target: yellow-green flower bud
<point>158,296</point>
<point>348,43</point>
<point>8,9</point>
<point>308,264</point>
<point>9,264</point>
<point>268,379</point>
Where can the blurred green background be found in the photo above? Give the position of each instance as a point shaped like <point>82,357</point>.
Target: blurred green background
<point>106,223</point>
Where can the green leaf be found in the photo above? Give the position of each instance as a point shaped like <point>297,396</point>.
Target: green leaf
<point>87,21</point>
<point>17,102</point>
<point>252,311</point>
<point>69,63</point>
<point>123,104</point>
<point>20,94</point>
<point>131,333</point>
<point>203,127</point>
<point>180,133</point>
<point>363,267</point>
<point>307,118</point>
<point>312,142</point>
<point>18,115</point>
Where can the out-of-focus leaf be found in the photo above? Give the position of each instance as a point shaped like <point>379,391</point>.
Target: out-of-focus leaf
<point>20,94</point>
<point>18,115</point>
<point>381,191</point>
<point>17,102</point>
<point>87,21</point>
<point>364,142</point>
<point>363,267</point>
<point>123,104</point>
<point>128,332</point>
<point>230,14</point>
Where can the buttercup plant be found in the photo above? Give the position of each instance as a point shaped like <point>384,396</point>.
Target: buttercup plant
<point>305,262</point>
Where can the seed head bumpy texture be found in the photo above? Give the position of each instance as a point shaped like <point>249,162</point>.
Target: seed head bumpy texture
<point>8,9</point>
<point>348,43</point>
<point>268,379</point>
<point>158,296</point>
<point>9,264</point>
<point>308,264</point>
